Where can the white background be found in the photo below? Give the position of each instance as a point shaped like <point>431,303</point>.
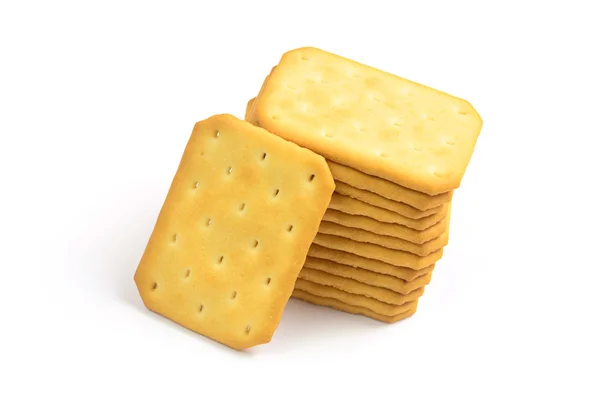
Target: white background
<point>97,100</point>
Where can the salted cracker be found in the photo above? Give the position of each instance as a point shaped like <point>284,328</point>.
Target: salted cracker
<point>384,228</point>
<point>366,276</point>
<point>249,106</point>
<point>387,189</point>
<point>372,304</point>
<point>359,116</point>
<point>355,287</point>
<point>373,265</point>
<point>384,241</point>
<point>339,305</point>
<point>230,238</point>
<point>353,206</point>
<point>374,190</point>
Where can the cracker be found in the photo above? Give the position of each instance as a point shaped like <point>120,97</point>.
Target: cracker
<point>378,123</point>
<point>355,287</point>
<point>248,110</point>
<point>353,206</point>
<point>373,265</point>
<point>366,276</point>
<point>339,305</point>
<point>384,241</point>
<point>379,188</point>
<point>387,189</point>
<point>385,229</point>
<point>359,300</point>
<point>230,239</point>
<point>382,202</point>
<point>373,251</point>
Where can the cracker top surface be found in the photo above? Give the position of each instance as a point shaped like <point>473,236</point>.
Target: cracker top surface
<point>370,120</point>
<point>234,231</point>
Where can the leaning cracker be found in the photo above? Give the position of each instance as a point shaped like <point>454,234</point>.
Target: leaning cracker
<point>358,288</point>
<point>384,241</point>
<point>366,276</point>
<point>373,251</point>
<point>382,202</point>
<point>381,124</point>
<point>358,300</point>
<point>385,229</point>
<point>353,206</point>
<point>230,241</point>
<point>373,265</point>
<point>339,305</point>
<point>387,189</point>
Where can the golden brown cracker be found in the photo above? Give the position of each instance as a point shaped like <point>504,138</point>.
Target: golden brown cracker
<point>230,238</point>
<point>359,116</point>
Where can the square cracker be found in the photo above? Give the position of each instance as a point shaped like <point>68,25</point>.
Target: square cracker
<point>384,241</point>
<point>341,306</point>
<point>348,176</point>
<point>230,238</point>
<point>366,276</point>
<point>367,119</point>
<point>355,287</point>
<point>384,228</point>
<point>372,304</point>
<point>373,265</point>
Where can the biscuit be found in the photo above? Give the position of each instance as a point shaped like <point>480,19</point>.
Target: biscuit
<point>249,109</point>
<point>378,188</point>
<point>339,305</point>
<point>370,120</point>
<point>387,189</point>
<point>230,238</point>
<point>367,276</point>
<point>385,229</point>
<point>355,287</point>
<point>372,304</point>
<point>373,251</point>
<point>353,206</point>
<point>372,265</point>
<point>382,202</point>
<point>384,241</point>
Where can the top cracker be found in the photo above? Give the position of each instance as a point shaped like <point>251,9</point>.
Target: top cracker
<point>378,123</point>
<point>234,231</point>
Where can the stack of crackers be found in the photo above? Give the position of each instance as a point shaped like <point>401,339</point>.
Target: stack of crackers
<point>336,190</point>
<point>397,150</point>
